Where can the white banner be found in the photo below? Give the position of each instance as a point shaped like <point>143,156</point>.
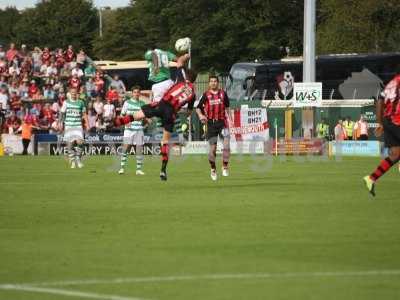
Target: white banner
<point>249,124</point>
<point>13,144</point>
<point>307,94</point>
<point>202,147</point>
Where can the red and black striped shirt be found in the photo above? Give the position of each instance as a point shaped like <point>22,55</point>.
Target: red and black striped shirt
<point>213,104</point>
<point>391,97</point>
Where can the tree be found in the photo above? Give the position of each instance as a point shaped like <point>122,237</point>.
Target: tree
<point>58,23</point>
<point>8,17</point>
<point>358,26</point>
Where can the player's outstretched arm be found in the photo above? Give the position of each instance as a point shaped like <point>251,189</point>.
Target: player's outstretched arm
<point>182,60</point>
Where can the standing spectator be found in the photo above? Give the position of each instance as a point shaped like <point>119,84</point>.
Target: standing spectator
<point>24,51</point>
<point>3,113</point>
<point>69,54</point>
<point>90,87</point>
<point>112,94</point>
<point>46,55</point>
<point>340,132</point>
<point>12,124</point>
<point>348,126</point>
<point>43,68</point>
<point>361,129</point>
<point>80,59</point>
<point>26,66</point>
<point>12,53</point>
<point>118,85</point>
<point>4,97</point>
<point>109,113</point>
<point>98,105</point>
<point>26,133</point>
<point>92,117</point>
<point>323,130</point>
<point>37,59</point>
<point>2,53</point>
<point>99,83</point>
<point>60,60</point>
<point>15,103</point>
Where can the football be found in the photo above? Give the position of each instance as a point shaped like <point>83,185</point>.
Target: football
<point>183,44</point>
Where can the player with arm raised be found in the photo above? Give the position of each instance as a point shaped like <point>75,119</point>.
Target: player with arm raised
<point>159,72</point>
<point>213,110</point>
<point>388,118</point>
<point>72,113</point>
<point>180,94</point>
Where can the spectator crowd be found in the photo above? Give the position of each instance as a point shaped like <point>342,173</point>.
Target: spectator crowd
<point>34,84</point>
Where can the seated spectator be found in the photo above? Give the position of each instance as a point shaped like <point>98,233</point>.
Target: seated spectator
<point>51,70</point>
<point>43,68</point>
<point>4,97</point>
<point>33,89</point>
<point>3,67</point>
<point>48,92</point>
<point>77,71</point>
<point>90,71</point>
<point>24,89</point>
<point>26,66</point>
<point>13,70</point>
<point>74,82</point>
<point>13,87</point>
<point>98,105</point>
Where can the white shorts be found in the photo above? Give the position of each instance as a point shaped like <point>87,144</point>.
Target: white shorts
<point>73,134</point>
<point>159,89</point>
<point>132,137</point>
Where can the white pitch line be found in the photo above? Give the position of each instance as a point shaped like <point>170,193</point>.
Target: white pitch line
<point>64,292</point>
<point>214,277</point>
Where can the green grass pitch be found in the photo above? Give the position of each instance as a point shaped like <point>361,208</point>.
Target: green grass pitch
<point>275,229</point>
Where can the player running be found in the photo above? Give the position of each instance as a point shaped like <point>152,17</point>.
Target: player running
<point>159,73</point>
<point>388,118</point>
<point>133,132</point>
<point>72,112</point>
<point>213,109</point>
<point>180,94</point>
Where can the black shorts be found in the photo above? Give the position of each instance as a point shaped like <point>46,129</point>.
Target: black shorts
<point>162,110</point>
<point>214,129</point>
<point>391,133</point>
